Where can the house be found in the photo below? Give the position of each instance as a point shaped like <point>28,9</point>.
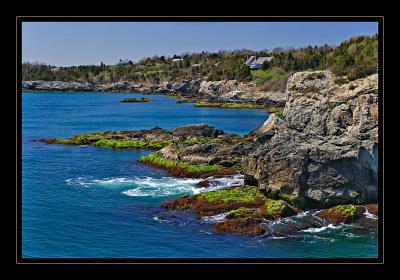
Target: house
<point>255,62</point>
<point>176,59</point>
<point>124,62</point>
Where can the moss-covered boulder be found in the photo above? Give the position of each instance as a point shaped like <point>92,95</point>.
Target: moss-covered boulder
<point>242,212</point>
<point>156,138</point>
<point>183,169</point>
<point>342,213</point>
<point>219,201</point>
<point>273,209</point>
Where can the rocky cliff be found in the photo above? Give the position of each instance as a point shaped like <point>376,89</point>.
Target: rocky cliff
<point>325,151</point>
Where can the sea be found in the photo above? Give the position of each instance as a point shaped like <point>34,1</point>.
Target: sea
<point>91,202</point>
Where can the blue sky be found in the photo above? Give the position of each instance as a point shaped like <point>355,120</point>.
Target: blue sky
<point>83,43</point>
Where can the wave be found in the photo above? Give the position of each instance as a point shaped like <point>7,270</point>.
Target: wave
<point>220,183</point>
<point>320,229</point>
<point>214,218</point>
<point>157,187</point>
<point>369,215</point>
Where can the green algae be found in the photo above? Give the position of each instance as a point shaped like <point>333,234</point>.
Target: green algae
<point>344,210</point>
<point>125,144</point>
<point>241,212</point>
<point>162,162</point>
<point>243,194</point>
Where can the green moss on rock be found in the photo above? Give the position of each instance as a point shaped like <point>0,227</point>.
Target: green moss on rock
<point>277,209</point>
<point>344,210</point>
<point>342,213</point>
<point>239,194</point>
<point>136,144</point>
<point>241,212</point>
<point>176,165</point>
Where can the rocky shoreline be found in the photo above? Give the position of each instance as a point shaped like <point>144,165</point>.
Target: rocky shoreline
<point>322,153</point>
<point>205,92</point>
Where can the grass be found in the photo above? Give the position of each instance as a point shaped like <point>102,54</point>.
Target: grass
<point>243,194</point>
<point>136,100</point>
<point>268,74</point>
<point>159,161</point>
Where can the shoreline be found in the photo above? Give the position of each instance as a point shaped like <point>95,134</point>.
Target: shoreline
<point>275,158</point>
<point>199,91</point>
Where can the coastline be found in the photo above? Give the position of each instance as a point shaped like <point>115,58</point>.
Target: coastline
<point>196,150</point>
<point>224,94</point>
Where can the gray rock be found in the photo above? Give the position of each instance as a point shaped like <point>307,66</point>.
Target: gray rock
<point>326,150</point>
<point>196,130</point>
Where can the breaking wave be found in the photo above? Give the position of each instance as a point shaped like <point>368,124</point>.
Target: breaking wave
<point>320,229</point>
<point>157,187</point>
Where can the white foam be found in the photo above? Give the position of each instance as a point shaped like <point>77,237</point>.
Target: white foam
<point>277,237</point>
<point>369,215</point>
<point>80,181</point>
<point>214,218</point>
<point>157,187</point>
<point>320,229</point>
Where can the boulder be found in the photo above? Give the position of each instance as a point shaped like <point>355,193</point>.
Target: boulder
<point>196,130</point>
<point>342,214</point>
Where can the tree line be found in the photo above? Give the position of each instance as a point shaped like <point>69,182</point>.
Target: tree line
<point>354,58</point>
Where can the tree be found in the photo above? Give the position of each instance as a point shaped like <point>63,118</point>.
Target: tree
<point>265,65</point>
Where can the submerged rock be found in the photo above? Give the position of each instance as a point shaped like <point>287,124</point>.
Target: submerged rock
<point>249,226</point>
<point>136,100</point>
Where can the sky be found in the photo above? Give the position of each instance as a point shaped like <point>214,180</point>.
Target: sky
<point>87,43</point>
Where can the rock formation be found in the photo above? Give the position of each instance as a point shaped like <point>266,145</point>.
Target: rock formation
<point>325,152</point>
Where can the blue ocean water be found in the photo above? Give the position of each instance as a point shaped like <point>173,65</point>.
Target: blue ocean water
<point>89,202</point>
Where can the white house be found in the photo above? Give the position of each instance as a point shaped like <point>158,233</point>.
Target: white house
<point>255,62</point>
<point>124,62</point>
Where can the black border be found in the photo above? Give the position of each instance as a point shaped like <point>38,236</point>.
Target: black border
<point>20,19</point>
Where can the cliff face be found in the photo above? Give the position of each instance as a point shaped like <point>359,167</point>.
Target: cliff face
<point>228,91</point>
<point>326,150</point>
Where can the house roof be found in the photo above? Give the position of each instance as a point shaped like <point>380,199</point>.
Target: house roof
<point>259,60</point>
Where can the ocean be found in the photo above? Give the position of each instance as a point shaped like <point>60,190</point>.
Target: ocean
<point>90,202</point>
